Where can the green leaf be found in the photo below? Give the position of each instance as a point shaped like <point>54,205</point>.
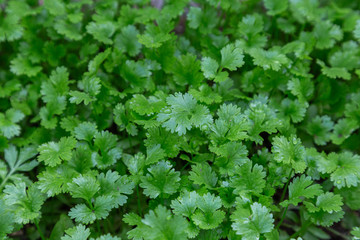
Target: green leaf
<point>161,179</point>
<point>53,154</point>
<point>319,128</point>
<point>154,37</point>
<point>61,225</point>
<point>158,224</point>
<point>231,154</point>
<point>10,29</point>
<point>116,186</point>
<point>250,224</point>
<point>262,119</point>
<point>202,19</point>
<point>18,161</point>
<point>154,154</point>
<point>207,216</point>
<point>334,72</point>
<point>83,214</point>
<point>6,220</point>
<point>203,174</point>
<point>356,31</point>
<point>57,86</point>
<point>248,179</point>
<point>146,106</point>
<point>106,142</point>
<point>85,131</point>
<point>231,57</point>
<point>80,232</point>
<point>342,130</point>
<point>209,67</point>
<point>293,109</point>
<point>186,71</point>
<point>206,95</point>
<point>271,59</point>
<point>185,204</point>
<point>344,168</point>
<point>275,7</point>
<point>102,31</point>
<point>55,7</point>
<point>22,66</point>
<point>183,113</point>
<point>327,202</point>
<point>356,231</point>
<point>301,187</point>
<point>124,41</point>
<point>302,88</point>
<point>84,186</point>
<point>79,97</point>
<point>24,202</point>
<point>107,237</point>
<point>68,29</point>
<point>54,181</point>
<point>289,151</point>
<point>326,34</point>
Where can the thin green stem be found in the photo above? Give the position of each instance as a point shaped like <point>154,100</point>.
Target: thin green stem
<point>105,226</point>
<point>138,200</point>
<point>6,179</point>
<point>98,228</point>
<point>184,167</point>
<point>333,231</point>
<point>90,204</point>
<point>97,222</point>
<point>39,230</point>
<point>286,186</point>
<point>110,226</point>
<point>282,217</point>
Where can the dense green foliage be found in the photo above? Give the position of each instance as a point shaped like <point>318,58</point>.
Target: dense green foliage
<point>179,119</point>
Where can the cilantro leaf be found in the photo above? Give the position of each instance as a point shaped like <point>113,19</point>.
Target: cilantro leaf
<point>231,57</point>
<point>248,179</point>
<point>79,232</point>
<point>24,203</point>
<point>289,151</point>
<point>319,128</point>
<point>6,220</point>
<point>186,70</point>
<point>53,154</point>
<point>271,59</point>
<point>8,122</point>
<point>207,216</point>
<point>231,154</point>
<point>157,224</point>
<point>161,179</point>
<point>84,186</point>
<point>203,174</point>
<point>209,67</point>
<point>17,161</point>
<point>185,205</point>
<point>357,30</point>
<point>301,187</point>
<point>254,222</point>
<point>102,31</point>
<point>343,168</point>
<point>275,7</point>
<point>326,34</point>
<point>83,214</point>
<point>125,40</point>
<point>183,113</point>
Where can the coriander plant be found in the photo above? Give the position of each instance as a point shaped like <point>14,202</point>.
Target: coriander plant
<point>179,119</point>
